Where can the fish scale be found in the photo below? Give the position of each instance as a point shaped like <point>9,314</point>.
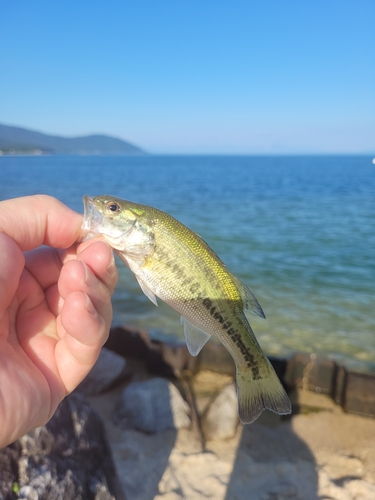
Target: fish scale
<point>175,264</point>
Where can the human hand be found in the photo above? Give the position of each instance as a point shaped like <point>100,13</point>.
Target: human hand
<point>55,309</point>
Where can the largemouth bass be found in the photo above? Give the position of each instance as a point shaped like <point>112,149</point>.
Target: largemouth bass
<point>173,263</point>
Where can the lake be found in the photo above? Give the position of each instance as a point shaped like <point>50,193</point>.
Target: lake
<point>298,230</point>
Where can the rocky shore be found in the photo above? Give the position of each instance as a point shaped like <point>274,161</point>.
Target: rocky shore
<point>150,422</point>
<point>320,453</point>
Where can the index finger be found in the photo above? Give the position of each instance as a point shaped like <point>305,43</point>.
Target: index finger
<point>37,220</point>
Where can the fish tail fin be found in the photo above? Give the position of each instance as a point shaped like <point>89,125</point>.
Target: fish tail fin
<point>257,394</point>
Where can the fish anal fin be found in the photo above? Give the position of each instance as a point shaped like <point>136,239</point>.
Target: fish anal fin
<point>195,337</point>
<point>256,395</point>
<point>146,290</point>
<point>249,300</point>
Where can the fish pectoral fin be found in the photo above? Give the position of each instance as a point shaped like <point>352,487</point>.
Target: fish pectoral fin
<point>248,298</point>
<point>195,337</point>
<point>146,290</point>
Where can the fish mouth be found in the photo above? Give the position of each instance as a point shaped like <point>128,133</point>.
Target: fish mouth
<point>92,219</point>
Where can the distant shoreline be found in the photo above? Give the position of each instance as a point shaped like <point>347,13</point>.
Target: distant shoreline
<point>18,140</point>
<point>15,152</point>
<point>39,152</point>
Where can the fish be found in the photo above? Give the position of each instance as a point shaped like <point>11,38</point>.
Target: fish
<point>173,263</point>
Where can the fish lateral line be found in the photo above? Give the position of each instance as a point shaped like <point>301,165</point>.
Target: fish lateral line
<point>235,336</point>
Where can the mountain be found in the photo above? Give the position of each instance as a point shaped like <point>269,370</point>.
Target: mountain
<point>18,140</point>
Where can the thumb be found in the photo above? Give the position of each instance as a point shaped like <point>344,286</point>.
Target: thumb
<point>12,263</point>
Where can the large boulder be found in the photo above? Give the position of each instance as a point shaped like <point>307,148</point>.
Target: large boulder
<point>221,420</point>
<point>152,406</point>
<point>109,370</point>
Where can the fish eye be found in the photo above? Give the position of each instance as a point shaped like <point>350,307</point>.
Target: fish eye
<point>113,207</point>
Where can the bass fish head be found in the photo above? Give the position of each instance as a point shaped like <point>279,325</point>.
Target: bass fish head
<point>123,224</point>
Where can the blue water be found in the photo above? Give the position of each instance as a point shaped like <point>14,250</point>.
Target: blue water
<point>300,231</point>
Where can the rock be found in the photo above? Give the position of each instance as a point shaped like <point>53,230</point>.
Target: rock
<point>68,457</point>
<point>109,369</point>
<point>162,358</point>
<point>308,371</point>
<point>214,357</point>
<point>9,470</point>
<point>221,420</point>
<point>360,394</point>
<point>152,406</point>
<point>128,342</point>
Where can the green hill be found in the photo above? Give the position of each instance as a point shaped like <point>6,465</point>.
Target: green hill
<point>21,140</point>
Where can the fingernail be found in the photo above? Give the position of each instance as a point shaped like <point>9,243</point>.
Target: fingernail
<point>90,278</point>
<point>89,305</point>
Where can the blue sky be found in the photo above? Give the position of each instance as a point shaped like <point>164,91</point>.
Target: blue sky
<point>231,77</point>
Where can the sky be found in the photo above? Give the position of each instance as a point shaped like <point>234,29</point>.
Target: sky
<point>194,77</point>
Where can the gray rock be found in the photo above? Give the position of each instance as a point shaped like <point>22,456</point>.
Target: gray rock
<point>152,406</point>
<point>109,369</point>
<point>68,458</point>
<point>9,470</point>
<point>221,420</point>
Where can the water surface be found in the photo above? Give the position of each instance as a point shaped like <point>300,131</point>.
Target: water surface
<point>299,231</point>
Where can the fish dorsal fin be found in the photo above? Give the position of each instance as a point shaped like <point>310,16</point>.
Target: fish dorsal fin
<point>195,337</point>
<point>145,289</point>
<point>250,303</point>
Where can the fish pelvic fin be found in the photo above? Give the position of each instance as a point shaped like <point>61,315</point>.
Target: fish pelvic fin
<point>195,337</point>
<point>257,394</point>
<point>249,300</point>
